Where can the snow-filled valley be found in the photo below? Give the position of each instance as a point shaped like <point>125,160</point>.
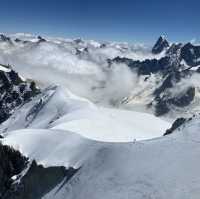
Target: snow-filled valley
<point>90,119</point>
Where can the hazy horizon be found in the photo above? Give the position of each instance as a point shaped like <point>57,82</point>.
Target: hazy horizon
<point>125,21</point>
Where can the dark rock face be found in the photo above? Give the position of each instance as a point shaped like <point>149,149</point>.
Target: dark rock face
<point>4,38</point>
<point>174,49</point>
<point>164,103</point>
<point>38,181</point>
<point>11,163</point>
<point>148,66</point>
<point>40,39</point>
<point>13,92</point>
<point>103,46</point>
<point>17,40</point>
<point>191,54</point>
<point>185,99</point>
<point>78,41</point>
<point>178,122</point>
<point>82,51</point>
<point>160,45</point>
<point>163,100</point>
<point>171,79</point>
<point>188,52</point>
<point>171,69</point>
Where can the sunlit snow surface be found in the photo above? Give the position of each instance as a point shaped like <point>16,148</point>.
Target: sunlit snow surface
<point>163,168</point>
<point>58,109</point>
<point>51,147</point>
<point>112,125</point>
<point>166,167</point>
<point>57,122</point>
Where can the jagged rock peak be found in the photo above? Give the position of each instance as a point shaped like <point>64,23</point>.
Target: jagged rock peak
<point>160,45</point>
<point>4,38</point>
<point>41,39</point>
<point>14,91</point>
<point>191,54</point>
<point>78,41</point>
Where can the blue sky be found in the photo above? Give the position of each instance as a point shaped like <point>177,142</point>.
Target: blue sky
<point>115,20</point>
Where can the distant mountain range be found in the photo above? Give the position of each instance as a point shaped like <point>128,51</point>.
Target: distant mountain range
<point>55,144</point>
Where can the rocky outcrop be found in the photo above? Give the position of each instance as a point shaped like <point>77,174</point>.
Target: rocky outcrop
<point>38,181</point>
<point>176,65</point>
<point>22,179</point>
<point>191,54</point>
<point>12,163</point>
<point>160,45</point>
<point>147,66</point>
<point>163,104</point>
<point>4,38</point>
<point>177,123</point>
<point>41,39</point>
<point>14,91</point>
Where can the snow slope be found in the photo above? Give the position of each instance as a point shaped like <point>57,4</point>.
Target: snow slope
<point>162,168</point>
<point>112,125</point>
<point>57,108</point>
<point>52,147</point>
<point>57,124</point>
<point>165,167</point>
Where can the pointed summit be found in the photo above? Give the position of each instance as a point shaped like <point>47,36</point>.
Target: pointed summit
<point>4,38</point>
<point>41,39</point>
<point>160,45</point>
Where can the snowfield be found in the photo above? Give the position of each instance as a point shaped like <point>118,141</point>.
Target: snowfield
<point>162,168</point>
<point>111,162</point>
<point>51,147</point>
<point>112,125</point>
<point>165,167</point>
<point>58,109</point>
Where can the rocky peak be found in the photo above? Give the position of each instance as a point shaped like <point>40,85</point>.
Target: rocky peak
<point>41,39</point>
<point>4,38</point>
<point>160,45</point>
<point>14,91</point>
<point>191,54</point>
<point>17,40</point>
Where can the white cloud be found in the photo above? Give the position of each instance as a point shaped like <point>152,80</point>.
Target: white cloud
<point>88,75</point>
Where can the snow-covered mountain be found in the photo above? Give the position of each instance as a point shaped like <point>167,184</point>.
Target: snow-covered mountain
<point>117,166</point>
<point>14,91</point>
<point>56,108</point>
<point>90,122</point>
<point>160,168</point>
<point>56,133</point>
<point>170,85</point>
<point>163,79</point>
